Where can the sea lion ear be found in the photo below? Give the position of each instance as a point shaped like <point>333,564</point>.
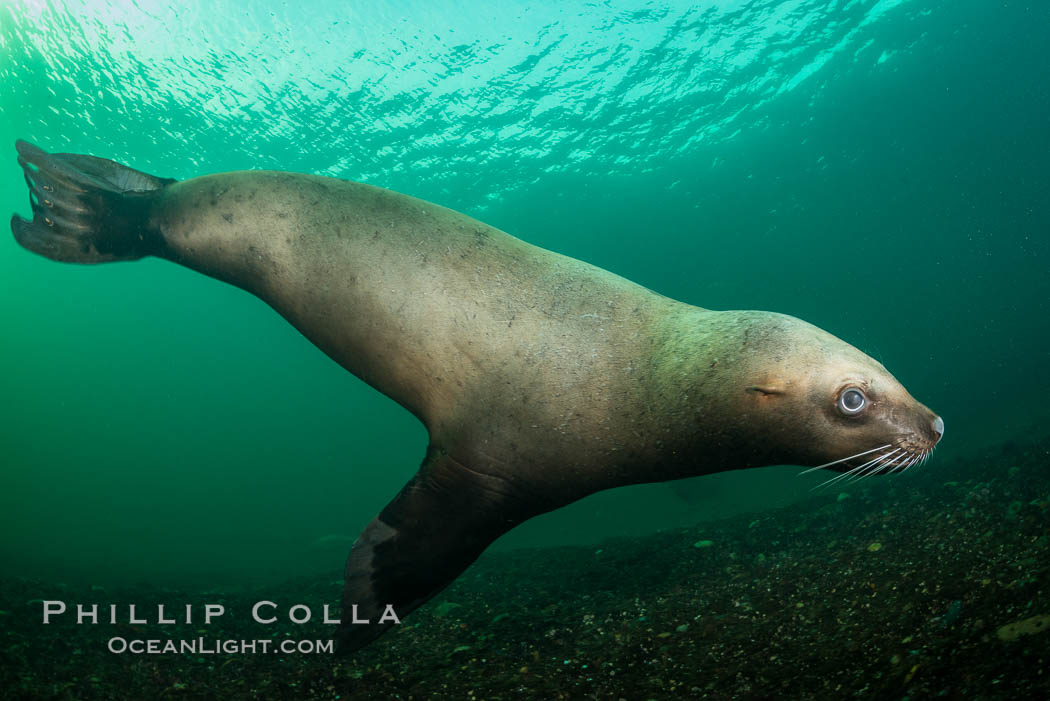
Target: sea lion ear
<point>433,530</point>
<point>769,383</point>
<point>767,389</point>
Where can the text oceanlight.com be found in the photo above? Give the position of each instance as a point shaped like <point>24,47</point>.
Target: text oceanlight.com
<point>201,646</point>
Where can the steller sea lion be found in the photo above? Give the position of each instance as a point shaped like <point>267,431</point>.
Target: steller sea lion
<point>540,378</point>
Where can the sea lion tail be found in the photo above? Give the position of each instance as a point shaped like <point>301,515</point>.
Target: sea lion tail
<point>85,209</point>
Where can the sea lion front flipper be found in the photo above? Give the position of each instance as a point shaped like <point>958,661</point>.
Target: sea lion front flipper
<point>434,529</point>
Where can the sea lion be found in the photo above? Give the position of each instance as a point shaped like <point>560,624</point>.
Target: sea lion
<point>541,379</point>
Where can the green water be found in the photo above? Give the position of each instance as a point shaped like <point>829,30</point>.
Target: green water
<point>876,168</point>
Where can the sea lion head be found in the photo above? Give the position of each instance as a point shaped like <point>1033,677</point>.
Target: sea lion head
<point>821,402</point>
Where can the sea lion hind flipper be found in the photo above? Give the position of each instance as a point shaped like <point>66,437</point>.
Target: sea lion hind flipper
<point>85,209</point>
<point>434,529</point>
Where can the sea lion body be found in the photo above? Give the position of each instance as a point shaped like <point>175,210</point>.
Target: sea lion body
<point>540,378</point>
<point>457,321</point>
<point>511,353</point>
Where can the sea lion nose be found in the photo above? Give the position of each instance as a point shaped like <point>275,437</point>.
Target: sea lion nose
<point>938,427</point>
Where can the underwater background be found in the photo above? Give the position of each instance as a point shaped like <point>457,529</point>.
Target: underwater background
<point>879,168</point>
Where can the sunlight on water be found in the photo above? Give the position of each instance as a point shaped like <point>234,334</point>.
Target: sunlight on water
<point>435,89</point>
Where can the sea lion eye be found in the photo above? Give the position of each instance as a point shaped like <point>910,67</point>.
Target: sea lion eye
<point>852,401</point>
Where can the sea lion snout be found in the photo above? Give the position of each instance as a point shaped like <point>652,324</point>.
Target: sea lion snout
<point>925,428</point>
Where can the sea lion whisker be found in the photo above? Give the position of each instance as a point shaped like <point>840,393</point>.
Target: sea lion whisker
<point>836,462</point>
<point>884,464</point>
<point>843,475</point>
<point>911,462</point>
<point>836,478</point>
<point>855,472</point>
<point>903,457</point>
<point>866,469</point>
<point>874,468</point>
<point>869,468</point>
